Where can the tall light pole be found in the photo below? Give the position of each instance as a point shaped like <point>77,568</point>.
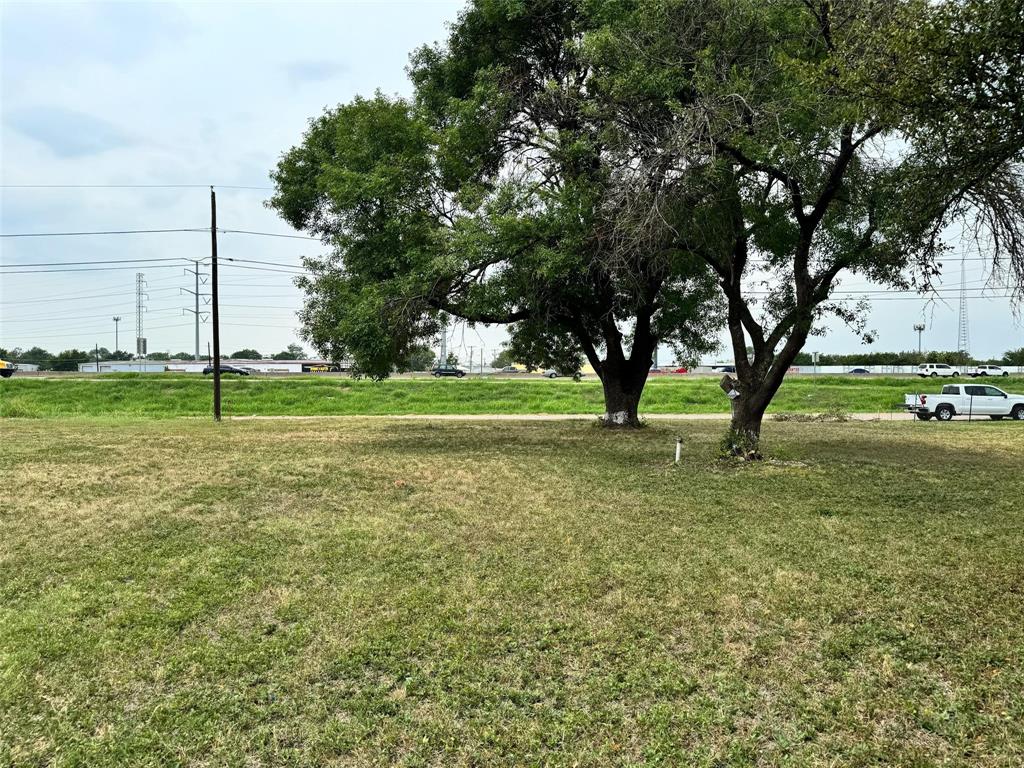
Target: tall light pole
<point>216,307</point>
<point>117,347</point>
<point>919,327</point>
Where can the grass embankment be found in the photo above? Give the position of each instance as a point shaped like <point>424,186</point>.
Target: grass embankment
<point>382,593</point>
<point>168,396</point>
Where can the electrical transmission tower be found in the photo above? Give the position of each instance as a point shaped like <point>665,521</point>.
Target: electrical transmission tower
<point>196,294</point>
<point>963,340</point>
<point>140,295</point>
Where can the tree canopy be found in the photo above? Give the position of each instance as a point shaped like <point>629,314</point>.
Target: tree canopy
<point>489,197</point>
<point>602,175</point>
<point>789,143</point>
<point>292,352</point>
<point>503,358</point>
<point>246,354</point>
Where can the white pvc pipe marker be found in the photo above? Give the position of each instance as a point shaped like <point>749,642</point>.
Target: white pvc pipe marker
<point>679,447</point>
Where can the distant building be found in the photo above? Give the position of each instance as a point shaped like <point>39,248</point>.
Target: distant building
<point>263,366</point>
<point>123,366</point>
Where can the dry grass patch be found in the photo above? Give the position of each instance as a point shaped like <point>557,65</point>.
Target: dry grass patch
<point>384,593</point>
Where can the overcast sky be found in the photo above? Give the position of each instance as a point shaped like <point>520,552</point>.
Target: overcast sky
<point>213,93</point>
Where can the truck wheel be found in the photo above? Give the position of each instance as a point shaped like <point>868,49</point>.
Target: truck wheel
<point>934,375</point>
<point>1006,373</point>
<point>944,412</point>
<point>6,374</point>
<point>955,374</point>
<point>1018,412</point>
<point>924,416</point>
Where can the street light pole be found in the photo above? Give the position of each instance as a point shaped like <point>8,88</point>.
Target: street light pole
<point>117,347</point>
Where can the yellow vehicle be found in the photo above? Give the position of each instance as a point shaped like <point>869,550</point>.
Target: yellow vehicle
<point>7,369</point>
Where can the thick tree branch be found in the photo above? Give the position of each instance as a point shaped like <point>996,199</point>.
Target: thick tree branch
<point>788,181</point>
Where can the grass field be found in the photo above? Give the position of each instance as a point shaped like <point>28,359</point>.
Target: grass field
<point>165,395</point>
<point>373,593</point>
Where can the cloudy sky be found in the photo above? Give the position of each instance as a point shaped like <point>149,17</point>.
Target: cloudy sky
<point>96,95</point>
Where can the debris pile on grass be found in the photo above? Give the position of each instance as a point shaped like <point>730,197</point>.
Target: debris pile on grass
<point>833,414</point>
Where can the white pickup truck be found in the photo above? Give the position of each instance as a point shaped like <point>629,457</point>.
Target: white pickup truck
<point>966,400</point>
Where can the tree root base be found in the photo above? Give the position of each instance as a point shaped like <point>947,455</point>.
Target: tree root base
<point>742,444</point>
<point>620,420</point>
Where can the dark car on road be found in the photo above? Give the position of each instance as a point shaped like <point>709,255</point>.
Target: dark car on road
<point>448,370</point>
<point>860,371</point>
<point>226,369</point>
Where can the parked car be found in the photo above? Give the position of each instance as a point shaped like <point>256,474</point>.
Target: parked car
<point>655,371</point>
<point>7,369</point>
<point>859,371</point>
<point>681,370</point>
<point>987,370</point>
<point>932,370</point>
<point>447,370</point>
<point>724,368</point>
<point>551,373</point>
<point>966,400</point>
<point>226,369</point>
<point>510,369</point>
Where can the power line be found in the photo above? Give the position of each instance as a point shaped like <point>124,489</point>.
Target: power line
<point>270,263</point>
<point>132,186</point>
<point>157,232</point>
<point>253,325</point>
<point>267,234</point>
<point>88,269</point>
<point>88,294</point>
<point>103,261</point>
<point>257,306</point>
<point>106,327</point>
<point>76,316</point>
<point>267,269</point>
<point>104,232</point>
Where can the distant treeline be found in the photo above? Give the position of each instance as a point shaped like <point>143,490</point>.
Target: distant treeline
<point>69,359</point>
<point>1012,357</point>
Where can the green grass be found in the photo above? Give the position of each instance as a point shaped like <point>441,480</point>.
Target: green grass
<point>376,593</point>
<point>162,395</point>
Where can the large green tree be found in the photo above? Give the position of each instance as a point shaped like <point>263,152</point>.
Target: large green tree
<point>787,143</point>
<point>35,356</point>
<point>492,196</point>
<point>420,358</point>
<point>246,354</point>
<point>292,352</point>
<point>69,360</point>
<point>503,358</point>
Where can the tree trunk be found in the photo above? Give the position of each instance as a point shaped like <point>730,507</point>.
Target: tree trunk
<point>744,438</point>
<point>621,400</point>
<point>622,377</point>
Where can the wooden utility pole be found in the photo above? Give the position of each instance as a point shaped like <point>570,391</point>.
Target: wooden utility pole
<point>216,309</point>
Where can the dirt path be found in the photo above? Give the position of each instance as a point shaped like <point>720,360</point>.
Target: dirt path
<point>549,417</point>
